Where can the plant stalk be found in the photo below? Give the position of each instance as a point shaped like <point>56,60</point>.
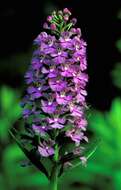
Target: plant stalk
<point>55,170</point>
<point>54,178</point>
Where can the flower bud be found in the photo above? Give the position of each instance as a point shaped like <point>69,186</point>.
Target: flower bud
<point>53,26</point>
<point>66,17</point>
<point>49,18</point>
<point>74,21</point>
<point>66,11</point>
<point>45,26</point>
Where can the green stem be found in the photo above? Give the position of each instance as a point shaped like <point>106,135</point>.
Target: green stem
<point>54,178</point>
<point>55,170</point>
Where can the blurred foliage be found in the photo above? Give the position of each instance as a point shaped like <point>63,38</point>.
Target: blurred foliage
<point>19,62</point>
<point>118,45</point>
<point>116,75</point>
<point>10,111</point>
<point>119,14</point>
<point>12,175</point>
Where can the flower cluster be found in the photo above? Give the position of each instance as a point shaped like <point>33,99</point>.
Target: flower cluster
<point>56,79</point>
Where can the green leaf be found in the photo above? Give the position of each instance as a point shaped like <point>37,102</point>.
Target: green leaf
<point>31,156</point>
<point>91,148</point>
<point>75,160</point>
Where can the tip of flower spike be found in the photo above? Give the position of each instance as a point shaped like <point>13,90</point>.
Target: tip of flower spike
<point>66,11</point>
<point>60,21</point>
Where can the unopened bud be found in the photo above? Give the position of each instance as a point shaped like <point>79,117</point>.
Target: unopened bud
<point>49,18</point>
<point>66,11</point>
<point>74,21</point>
<point>45,26</point>
<point>53,26</point>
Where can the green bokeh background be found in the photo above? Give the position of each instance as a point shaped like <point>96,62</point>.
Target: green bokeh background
<point>103,170</point>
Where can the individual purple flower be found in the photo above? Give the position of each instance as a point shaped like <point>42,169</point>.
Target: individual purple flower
<point>29,77</point>
<point>80,78</point>
<point>63,99</point>
<point>45,149</point>
<point>48,107</point>
<point>52,72</point>
<point>76,111</point>
<point>57,84</point>
<point>39,129</point>
<point>75,135</point>
<point>66,41</point>
<point>69,70</point>
<point>36,64</point>
<point>34,92</point>
<point>81,123</point>
<point>80,98</point>
<point>59,56</point>
<point>57,123</point>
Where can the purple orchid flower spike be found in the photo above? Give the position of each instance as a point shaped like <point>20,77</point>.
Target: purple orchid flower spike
<point>55,102</point>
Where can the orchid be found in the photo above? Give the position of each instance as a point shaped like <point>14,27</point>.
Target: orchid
<point>55,102</point>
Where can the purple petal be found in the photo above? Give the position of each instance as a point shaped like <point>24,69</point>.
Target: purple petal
<point>31,89</point>
<point>57,85</point>
<point>57,126</point>
<point>39,129</point>
<point>48,107</point>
